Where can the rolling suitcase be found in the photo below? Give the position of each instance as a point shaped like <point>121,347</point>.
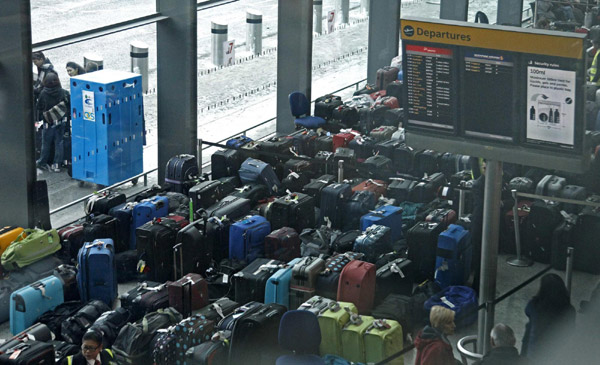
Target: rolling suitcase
<point>343,138</point>
<point>238,142</point>
<point>20,352</point>
<point>562,238</point>
<point>254,192</point>
<point>231,206</point>
<point>247,238</point>
<point>383,339</point>
<point>359,204</point>
<point>277,289</point>
<point>295,181</point>
<point>324,143</point>
<point>454,253</point>
<point>212,352</point>
<point>219,309</point>
<point>382,133</point>
<point>378,187</point>
<point>374,241</point>
<point>29,303</point>
<point>194,248</point>
<point>102,203</point>
<point>217,237</point>
<point>325,105</point>
<point>544,217</point>
<point>353,343</point>
<point>357,285</point>
<point>131,299</point>
<point>126,265</point>
<point>304,142</point>
<point>170,346</point>
<point>188,294</point>
<point>585,238</point>
<point>427,190</point>
<point>304,280</point>
<point>328,279</point>
<point>71,239</point>
<point>332,321</point>
<point>422,241</point>
<point>387,215</point>
<point>97,272</point>
<point>400,189</point>
<point>155,241</point>
<point>332,204</point>
<point>364,147</point>
<point>378,167</point>
<point>282,244</point>
<point>250,283</point>
<point>443,216</point>
<point>427,162</point>
<point>346,114</point>
<point>394,277</point>
<point>208,193</point>
<point>123,213</point>
<point>179,170</point>
<point>385,76</point>
<point>316,186</point>
<point>225,163</point>
<point>258,171</point>
<point>103,226</point>
<point>144,212</point>
<point>295,210</point>
<point>395,88</point>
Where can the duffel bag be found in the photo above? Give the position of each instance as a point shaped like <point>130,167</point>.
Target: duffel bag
<point>30,246</point>
<point>461,299</point>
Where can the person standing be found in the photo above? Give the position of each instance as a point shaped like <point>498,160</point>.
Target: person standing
<point>74,69</point>
<point>44,67</point>
<point>92,352</point>
<point>433,347</point>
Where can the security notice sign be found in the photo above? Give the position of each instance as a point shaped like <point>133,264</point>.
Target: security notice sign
<point>550,104</point>
<point>88,106</point>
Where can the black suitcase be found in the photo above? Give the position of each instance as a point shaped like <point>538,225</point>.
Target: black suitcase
<point>344,242</point>
<point>382,133</point>
<point>147,297</point>
<point>316,186</point>
<point>403,159</point>
<point>179,170</point>
<point>325,105</point>
<point>406,310</point>
<point>155,241</point>
<point>109,324</point>
<point>426,190</point>
<point>544,217</point>
<point>217,237</point>
<point>194,248</point>
<point>460,177</point>
<point>295,181</point>
<point>346,114</point>
<point>372,117</point>
<point>386,148</point>
<point>222,307</point>
<point>251,281</point>
<point>562,238</point>
<point>63,349</point>
<point>225,163</point>
<point>395,277</point>
<point>103,226</point>
<point>427,162</point>
<point>422,241</point>
<point>20,352</point>
<point>332,204</point>
<point>295,210</point>
<point>346,154</point>
<point>400,189</point>
<point>126,262</point>
<point>378,167</point>
<point>304,142</point>
<point>367,89</point>
<point>298,165</point>
<point>573,192</point>
<point>327,165</point>
<point>324,143</point>
<point>231,206</point>
<point>385,76</point>
<point>209,192</point>
<point>522,185</point>
<point>254,192</point>
<point>212,352</point>
<point>104,202</point>
<point>56,317</point>
<point>587,231</point>
<point>280,145</point>
<point>364,147</point>
<point>394,118</point>
<point>359,204</point>
<point>68,276</point>
<point>395,89</point>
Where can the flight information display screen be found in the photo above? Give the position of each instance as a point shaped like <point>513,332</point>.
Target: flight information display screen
<point>431,84</point>
<point>488,87</point>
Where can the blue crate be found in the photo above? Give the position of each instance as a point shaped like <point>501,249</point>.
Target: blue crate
<point>107,126</point>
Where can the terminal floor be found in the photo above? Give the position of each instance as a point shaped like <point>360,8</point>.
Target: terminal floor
<point>510,311</point>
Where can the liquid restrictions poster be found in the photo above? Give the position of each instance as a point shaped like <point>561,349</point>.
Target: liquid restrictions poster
<point>550,104</point>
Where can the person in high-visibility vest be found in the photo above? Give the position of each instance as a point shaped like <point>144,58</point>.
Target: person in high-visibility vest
<point>594,74</point>
<point>92,352</point>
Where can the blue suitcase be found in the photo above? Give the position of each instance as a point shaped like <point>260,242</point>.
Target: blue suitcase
<point>277,289</point>
<point>375,241</point>
<point>453,257</point>
<point>261,172</point>
<point>97,274</point>
<point>124,215</point>
<point>29,303</point>
<point>359,204</point>
<point>387,215</point>
<point>145,211</point>
<point>238,142</point>
<point>247,238</point>
<point>333,198</point>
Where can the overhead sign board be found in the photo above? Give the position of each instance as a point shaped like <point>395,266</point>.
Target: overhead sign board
<point>495,86</point>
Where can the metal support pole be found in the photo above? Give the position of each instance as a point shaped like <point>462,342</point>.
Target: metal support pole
<point>510,12</point>
<point>569,268</point>
<point>254,21</point>
<point>454,9</point>
<point>384,35</point>
<point>318,15</point>
<point>138,51</point>
<point>218,31</point>
<point>199,155</point>
<point>340,171</point>
<point>489,251</point>
<point>90,59</point>
<point>364,7</point>
<point>461,203</point>
<point>518,261</point>
<point>343,8</point>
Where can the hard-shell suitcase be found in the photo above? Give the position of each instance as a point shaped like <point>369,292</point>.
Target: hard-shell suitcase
<point>277,289</point>
<point>387,215</point>
<point>353,343</point>
<point>394,277</point>
<point>357,285</point>
<point>375,241</point>
<point>258,171</point>
<point>295,210</point>
<point>422,241</point>
<point>179,170</point>
<point>97,272</point>
<point>400,189</point>
<point>359,204</point>
<point>247,238</point>
<point>19,352</point>
<point>181,297</point>
<point>217,237</point>
<point>385,76</point>
<point>304,280</point>
<point>378,167</point>
<point>383,339</point>
<point>282,244</point>
<point>8,235</point>
<point>29,303</point>
<point>453,261</point>
<point>576,193</point>
<point>155,241</point>
<point>332,321</point>
<point>316,186</point>
<point>103,226</point>
<point>378,187</point>
<point>254,192</point>
<point>325,105</point>
<point>145,211</point>
<point>343,138</point>
<point>332,204</point>
<point>123,213</point>
<point>30,246</point>
<point>102,203</point>
<point>225,163</point>
<point>231,206</point>
<point>550,185</point>
<point>250,283</point>
<point>328,279</point>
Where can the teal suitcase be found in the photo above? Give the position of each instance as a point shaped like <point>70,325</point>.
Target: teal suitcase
<point>29,303</point>
<point>277,289</point>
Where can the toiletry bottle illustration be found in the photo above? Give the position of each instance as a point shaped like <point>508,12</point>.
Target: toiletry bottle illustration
<point>532,113</point>
<point>551,116</point>
<point>556,116</point>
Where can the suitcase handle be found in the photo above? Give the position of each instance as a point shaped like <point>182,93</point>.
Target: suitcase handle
<point>176,248</point>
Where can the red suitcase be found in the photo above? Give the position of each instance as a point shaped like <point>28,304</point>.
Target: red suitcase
<point>357,285</point>
<point>377,187</point>
<point>282,244</point>
<point>188,294</point>
<point>343,138</point>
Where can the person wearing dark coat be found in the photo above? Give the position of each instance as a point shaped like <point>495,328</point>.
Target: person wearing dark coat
<point>44,67</point>
<point>54,125</point>
<point>74,69</point>
<point>92,352</point>
<point>502,339</point>
<point>433,347</point>
<point>551,318</point>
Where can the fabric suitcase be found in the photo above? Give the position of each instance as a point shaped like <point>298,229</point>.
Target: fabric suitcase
<point>395,118</point>
<point>155,241</point>
<point>8,235</point>
<point>394,277</point>
<point>97,274</point>
<point>453,261</point>
<point>344,242</point>
<point>324,143</point>
<point>296,181</point>
<point>195,249</point>
<point>346,114</point>
<point>400,189</point>
<point>170,345</point>
<point>316,242</point>
<point>102,203</point>
<point>461,299</point>
<point>281,145</point>
<point>250,283</point>
<point>103,226</point>
<point>372,117</point>
<point>382,133</point>
<point>550,185</point>
<point>123,213</point>
<point>427,162</point>
<point>238,142</point>
<point>282,244</point>
<point>522,185</point>
<point>68,277</point>
<point>29,303</point>
<point>426,190</point>
<point>395,88</point>
<point>378,187</point>
<point>325,105</point>
<point>332,204</point>
<point>443,216</point>
<point>387,215</point>
<point>277,289</point>
<point>258,171</point>
<point>295,210</point>
<point>219,309</point>
<point>231,206</point>
<point>30,246</point>
<point>576,193</point>
<point>316,186</point>
<point>364,147</point>
<point>544,217</point>
<point>383,339</point>
<point>304,280</point>
<point>29,352</point>
<point>378,167</point>
<point>343,138</point>
<point>74,327</point>
<point>126,265</point>
<point>212,352</point>
<point>131,299</point>
<point>304,142</point>
<point>180,297</point>
<point>144,212</point>
<point>254,192</point>
<point>357,285</point>
<point>179,170</point>
<point>344,154</point>
<point>332,321</point>
<point>385,76</point>
<point>374,241</point>
<point>353,343</point>
<point>247,238</point>
<point>585,238</point>
<point>228,322</point>
<point>360,203</point>
<point>225,163</point>
<point>328,279</point>
<point>422,242</point>
<point>71,239</point>
<point>207,193</point>
<point>109,324</point>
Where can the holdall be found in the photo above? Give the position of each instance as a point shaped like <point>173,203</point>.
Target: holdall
<point>332,204</point>
<point>102,203</point>
<point>103,226</point>
<point>383,339</point>
<point>353,344</point>
<point>54,318</point>
<point>317,242</point>
<point>357,285</point>
<point>387,215</point>
<point>68,277</point>
<point>453,257</point>
<point>132,343</point>
<point>29,303</point>
<point>62,350</point>
<point>344,242</point>
<point>304,280</point>
<point>231,206</point>
<point>461,299</point>
<point>331,322</point>
<point>30,246</point>
<point>193,298</point>
<point>247,238</point>
<point>144,212</point>
<point>225,163</point>
<point>253,170</point>
<point>277,289</point>
<point>385,76</point>
<point>238,142</point>
<point>73,328</point>
<point>170,345</point>
<point>316,186</point>
<point>109,324</point>
<point>250,283</point>
<point>126,266</point>
<point>179,170</point>
<point>378,187</point>
<point>132,299</point>
<point>282,244</point>
<point>361,202</point>
<point>7,235</point>
<point>328,279</point>
<point>374,241</point>
<point>254,338</point>
<point>522,185</point>
<point>97,274</point>
<point>346,114</point>
<point>325,105</point>
<point>123,213</point>
<point>28,352</point>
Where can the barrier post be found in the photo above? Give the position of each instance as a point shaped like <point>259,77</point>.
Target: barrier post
<point>254,31</point>
<point>318,16</point>
<point>461,203</point>
<point>340,171</point>
<point>138,51</point>
<point>199,155</point>
<point>343,8</point>
<point>91,57</point>
<point>218,37</point>
<point>569,269</point>
<point>518,261</point>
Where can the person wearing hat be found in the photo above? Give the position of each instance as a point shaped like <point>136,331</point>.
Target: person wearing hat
<point>53,111</point>
<point>74,69</point>
<point>92,352</point>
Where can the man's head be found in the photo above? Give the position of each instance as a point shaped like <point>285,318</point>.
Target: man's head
<point>38,58</point>
<point>442,319</point>
<point>92,345</point>
<point>502,336</point>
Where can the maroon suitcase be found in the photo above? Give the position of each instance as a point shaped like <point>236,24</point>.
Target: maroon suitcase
<point>357,285</point>
<point>282,244</point>
<point>377,187</point>
<point>443,216</point>
<point>385,76</point>
<point>188,294</point>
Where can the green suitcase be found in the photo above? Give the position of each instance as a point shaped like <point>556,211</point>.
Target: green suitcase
<point>32,245</point>
<point>353,343</point>
<point>331,323</point>
<point>383,339</point>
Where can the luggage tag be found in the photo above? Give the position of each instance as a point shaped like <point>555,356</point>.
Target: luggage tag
<point>381,324</point>
<point>447,302</point>
<point>396,270</point>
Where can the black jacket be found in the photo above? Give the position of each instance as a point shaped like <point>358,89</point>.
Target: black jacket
<point>105,358</point>
<point>503,356</point>
<point>38,85</point>
<point>49,98</point>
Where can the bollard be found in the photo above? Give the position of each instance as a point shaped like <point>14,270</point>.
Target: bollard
<point>318,16</point>
<point>569,269</point>
<point>218,32</point>
<point>364,6</point>
<point>254,31</point>
<point>340,171</point>
<point>138,51</point>
<point>518,261</point>
<point>93,58</point>
<point>461,203</point>
<point>343,8</point>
